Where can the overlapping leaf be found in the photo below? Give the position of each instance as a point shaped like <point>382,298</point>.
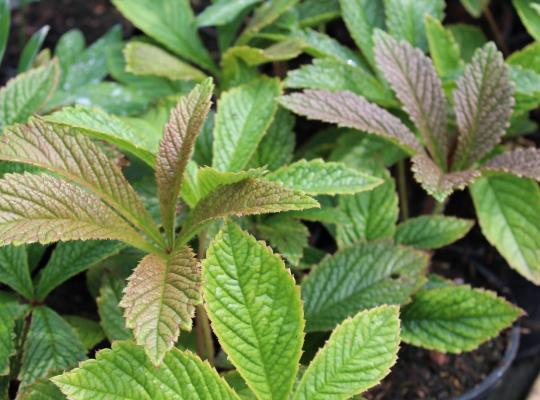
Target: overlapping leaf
<point>10,311</point>
<point>110,313</point>
<point>89,332</point>
<point>287,235</point>
<point>443,48</point>
<point>432,232</point>
<point>255,310</point>
<point>15,271</point>
<point>160,298</point>
<point>520,162</point>
<point>222,12</point>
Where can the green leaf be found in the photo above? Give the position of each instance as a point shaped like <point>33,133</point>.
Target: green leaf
<point>529,15</point>
<point>75,158</point>
<point>469,38</point>
<point>221,12</point>
<point>432,231</point>
<point>42,389</point>
<point>44,209</point>
<point>371,215</point>
<point>88,331</point>
<point>315,12</point>
<point>5,21</point>
<point>116,374</point>
<point>244,115</point>
<point>475,7</point>
<point>247,197</point>
<point>360,277</point>
<point>405,19</point>
<point>508,210</point>
<point>176,148</point>
<point>27,93</point>
<point>146,59</point>
<point>160,299</point>
<point>361,18</point>
<point>522,162</point>
<point>15,271</point>
<point>317,177</point>
<point>209,179</point>
<point>528,57</point>
<point>100,125</point>
<point>334,75</point>
<point>71,258</point>
<point>359,354</point>
<point>110,313</point>
<point>443,48</point>
<point>526,88</point>
<point>69,47</point>
<point>455,318</point>
<point>170,22</point>
<point>50,347</point>
<point>31,49</point>
<point>255,309</point>
<point>10,311</point>
<point>288,235</point>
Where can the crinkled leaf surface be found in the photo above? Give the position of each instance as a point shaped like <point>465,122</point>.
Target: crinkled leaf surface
<point>116,374</point>
<point>244,115</point>
<point>359,354</point>
<point>432,231</point>
<point>520,162</point>
<point>10,311</point>
<point>160,299</point>
<point>15,271</point>
<point>50,347</point>
<point>359,277</point>
<point>287,235</point>
<point>209,179</point>
<point>321,45</point>
<point>508,210</point>
<point>455,318</point>
<point>42,389</point>
<point>110,314</point>
<point>255,309</point>
<point>318,177</point>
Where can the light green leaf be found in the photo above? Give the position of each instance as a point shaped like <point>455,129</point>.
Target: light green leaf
<point>432,231</point>
<point>530,15</point>
<point>371,215</point>
<point>110,313</point>
<point>405,19</point>
<point>170,22</point>
<point>318,177</point>
<point>100,125</point>
<point>469,38</point>
<point>5,22</point>
<point>15,271</point>
<point>358,355</point>
<point>361,18</point>
<point>316,12</point>
<point>209,179</point>
<point>244,115</point>
<point>27,93</point>
<point>146,59</point>
<point>443,48</point>
<point>455,318</point>
<point>42,389</point>
<point>508,210</point>
<point>88,331</point>
<point>475,7</point>
<point>526,88</point>
<point>116,374</point>
<point>288,235</point>
<point>255,309</point>
<point>71,258</point>
<point>528,57</point>
<point>160,299</point>
<point>360,277</point>
<point>70,46</point>
<point>247,197</point>
<point>31,49</point>
<point>50,347</point>
<point>10,311</point>
<point>221,12</point>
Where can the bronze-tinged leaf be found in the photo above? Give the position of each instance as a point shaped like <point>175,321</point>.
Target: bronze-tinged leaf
<point>520,162</point>
<point>176,147</point>
<point>438,183</point>
<point>483,104</point>
<point>351,111</point>
<point>160,299</point>
<point>75,158</point>
<point>45,209</point>
<point>412,76</point>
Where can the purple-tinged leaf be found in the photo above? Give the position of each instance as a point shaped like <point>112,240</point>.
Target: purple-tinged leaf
<point>520,162</point>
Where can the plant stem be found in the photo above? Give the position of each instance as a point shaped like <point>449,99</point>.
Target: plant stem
<point>439,207</point>
<point>203,331</point>
<point>402,190</point>
<point>496,31</point>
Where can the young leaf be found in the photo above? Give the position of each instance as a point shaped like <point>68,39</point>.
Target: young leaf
<point>116,374</point>
<point>243,117</point>
<point>75,158</point>
<point>209,179</point>
<point>222,12</point>
<point>44,209</point>
<point>455,318</point>
<point>10,311</point>
<point>520,162</point>
<point>288,235</point>
<point>255,309</point>
<point>508,210</point>
<point>160,299</point>
<point>361,18</point>
<point>483,104</point>
<point>146,59</point>
<point>247,197</point>
<point>317,177</point>
<point>443,48</point>
<point>432,231</point>
<point>110,313</point>
<point>170,22</point>
<point>529,15</point>
<point>27,93</point>
<point>176,149</point>
<point>351,111</point>
<point>360,277</point>
<point>31,49</point>
<point>51,346</point>
<point>412,76</point>
<point>71,258</point>
<point>14,270</point>
<point>359,354</point>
